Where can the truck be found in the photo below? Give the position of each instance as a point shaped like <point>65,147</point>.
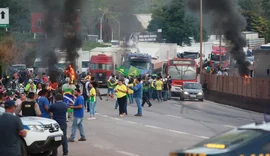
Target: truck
<point>219,54</point>
<point>104,62</point>
<point>159,53</point>
<point>140,61</point>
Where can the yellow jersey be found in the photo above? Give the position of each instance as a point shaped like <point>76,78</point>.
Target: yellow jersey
<point>130,91</point>
<point>93,94</point>
<point>159,85</point>
<point>123,88</point>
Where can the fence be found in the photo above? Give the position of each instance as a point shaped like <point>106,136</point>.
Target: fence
<point>245,87</point>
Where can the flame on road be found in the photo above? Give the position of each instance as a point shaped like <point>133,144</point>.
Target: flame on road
<point>71,73</point>
<point>246,80</point>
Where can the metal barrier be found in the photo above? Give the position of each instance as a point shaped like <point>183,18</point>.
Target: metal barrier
<point>245,87</point>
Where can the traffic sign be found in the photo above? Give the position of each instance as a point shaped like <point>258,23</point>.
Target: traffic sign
<point>4,17</point>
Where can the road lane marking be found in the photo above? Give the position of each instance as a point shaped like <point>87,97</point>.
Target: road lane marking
<point>160,128</point>
<point>174,116</point>
<point>149,126</point>
<point>127,153</point>
<point>131,122</point>
<point>229,126</point>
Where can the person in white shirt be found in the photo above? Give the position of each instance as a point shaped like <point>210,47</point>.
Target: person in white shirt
<point>219,73</point>
<point>126,81</point>
<point>225,73</point>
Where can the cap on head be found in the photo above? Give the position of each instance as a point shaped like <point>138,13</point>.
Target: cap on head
<point>9,103</point>
<point>30,81</point>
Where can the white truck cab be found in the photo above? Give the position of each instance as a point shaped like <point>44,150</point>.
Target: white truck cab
<point>43,135</point>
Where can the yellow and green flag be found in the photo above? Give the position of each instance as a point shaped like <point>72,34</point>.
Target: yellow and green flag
<point>133,71</point>
<point>122,70</point>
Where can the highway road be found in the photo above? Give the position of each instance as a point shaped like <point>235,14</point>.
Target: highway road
<point>164,127</point>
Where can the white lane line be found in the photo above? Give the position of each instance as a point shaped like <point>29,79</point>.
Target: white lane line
<point>127,153</point>
<point>160,128</point>
<point>229,126</point>
<point>131,122</point>
<point>174,116</point>
<point>149,126</point>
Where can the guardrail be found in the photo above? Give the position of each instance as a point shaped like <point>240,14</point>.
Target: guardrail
<point>249,87</point>
<point>247,93</point>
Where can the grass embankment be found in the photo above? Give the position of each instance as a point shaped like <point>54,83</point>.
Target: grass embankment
<point>88,46</point>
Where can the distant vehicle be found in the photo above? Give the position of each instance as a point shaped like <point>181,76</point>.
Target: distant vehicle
<point>43,135</point>
<point>181,71</point>
<point>191,90</point>
<point>248,140</point>
<point>159,53</point>
<point>265,46</point>
<point>216,56</point>
<point>194,55</point>
<point>104,62</point>
<point>140,61</point>
<point>43,68</point>
<point>18,67</point>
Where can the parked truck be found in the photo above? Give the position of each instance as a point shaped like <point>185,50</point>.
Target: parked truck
<point>104,61</point>
<point>220,54</point>
<point>159,52</point>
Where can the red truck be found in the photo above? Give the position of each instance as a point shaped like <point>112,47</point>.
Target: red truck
<point>104,61</point>
<point>101,67</point>
<point>218,54</point>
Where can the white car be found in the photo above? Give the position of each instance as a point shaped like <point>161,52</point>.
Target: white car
<point>43,135</point>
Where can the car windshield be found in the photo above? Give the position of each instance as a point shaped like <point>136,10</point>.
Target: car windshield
<point>191,55</point>
<point>217,57</point>
<point>62,65</point>
<point>192,86</point>
<point>182,72</point>
<point>140,65</point>
<point>85,64</point>
<point>18,67</point>
<point>232,138</point>
<point>95,66</point>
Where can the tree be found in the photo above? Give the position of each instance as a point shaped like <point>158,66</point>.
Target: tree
<point>258,24</point>
<point>19,15</point>
<point>177,27</point>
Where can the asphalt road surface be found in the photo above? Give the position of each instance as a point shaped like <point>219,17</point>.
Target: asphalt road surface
<point>164,127</point>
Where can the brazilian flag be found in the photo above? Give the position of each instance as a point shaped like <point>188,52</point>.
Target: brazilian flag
<point>133,71</point>
<point>122,70</point>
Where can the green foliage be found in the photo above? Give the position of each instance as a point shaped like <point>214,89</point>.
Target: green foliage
<point>88,46</point>
<point>19,15</point>
<point>177,27</point>
<point>257,13</point>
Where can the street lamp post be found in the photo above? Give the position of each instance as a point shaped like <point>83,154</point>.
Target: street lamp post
<point>119,27</point>
<point>101,25</point>
<point>201,34</point>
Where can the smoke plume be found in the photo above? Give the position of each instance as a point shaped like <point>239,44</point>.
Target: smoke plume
<point>226,20</point>
<point>61,25</point>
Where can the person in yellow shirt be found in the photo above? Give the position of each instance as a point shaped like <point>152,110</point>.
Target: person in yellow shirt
<point>93,100</point>
<point>130,92</point>
<point>159,87</point>
<point>121,91</point>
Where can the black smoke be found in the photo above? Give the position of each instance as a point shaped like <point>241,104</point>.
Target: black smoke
<point>226,19</point>
<point>61,25</point>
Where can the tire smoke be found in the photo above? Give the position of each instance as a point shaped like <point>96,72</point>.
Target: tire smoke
<point>226,20</point>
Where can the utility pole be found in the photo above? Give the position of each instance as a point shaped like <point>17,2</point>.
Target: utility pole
<point>220,49</point>
<point>201,34</point>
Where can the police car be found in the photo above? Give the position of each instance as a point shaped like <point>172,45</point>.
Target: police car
<point>249,140</point>
<point>43,135</point>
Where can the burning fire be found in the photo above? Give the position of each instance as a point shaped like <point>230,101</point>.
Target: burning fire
<point>246,80</point>
<point>71,73</point>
